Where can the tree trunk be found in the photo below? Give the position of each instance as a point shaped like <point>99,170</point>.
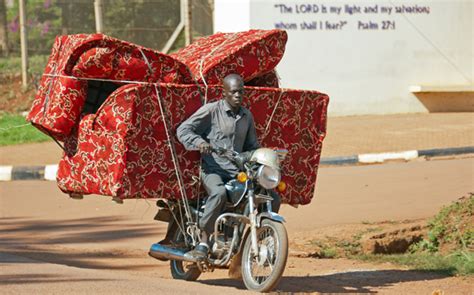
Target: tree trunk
<point>4,50</point>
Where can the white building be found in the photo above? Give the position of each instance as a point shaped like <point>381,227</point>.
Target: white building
<point>368,55</point>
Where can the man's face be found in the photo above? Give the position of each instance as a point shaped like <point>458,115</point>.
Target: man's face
<point>234,93</point>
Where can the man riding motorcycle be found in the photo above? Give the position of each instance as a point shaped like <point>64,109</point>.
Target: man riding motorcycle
<point>221,124</point>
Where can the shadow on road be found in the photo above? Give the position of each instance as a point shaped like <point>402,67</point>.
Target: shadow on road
<point>17,279</point>
<point>84,243</point>
<point>343,282</point>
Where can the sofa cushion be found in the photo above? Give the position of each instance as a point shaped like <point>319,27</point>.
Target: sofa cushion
<point>60,98</point>
<point>249,54</point>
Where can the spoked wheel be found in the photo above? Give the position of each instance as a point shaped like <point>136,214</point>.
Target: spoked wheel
<point>182,270</point>
<point>262,272</point>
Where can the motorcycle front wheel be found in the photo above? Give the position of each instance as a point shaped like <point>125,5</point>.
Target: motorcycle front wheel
<point>182,270</point>
<point>262,272</point>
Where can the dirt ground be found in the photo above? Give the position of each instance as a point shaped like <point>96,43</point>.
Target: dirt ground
<point>50,242</point>
<point>13,98</point>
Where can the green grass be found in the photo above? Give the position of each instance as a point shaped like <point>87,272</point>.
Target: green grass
<point>324,250</point>
<point>14,130</point>
<point>329,252</point>
<point>12,64</point>
<point>448,247</point>
<point>451,226</point>
<point>457,263</point>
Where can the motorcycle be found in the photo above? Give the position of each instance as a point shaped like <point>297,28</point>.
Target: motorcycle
<point>248,236</point>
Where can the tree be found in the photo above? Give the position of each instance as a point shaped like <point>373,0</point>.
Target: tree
<point>4,49</point>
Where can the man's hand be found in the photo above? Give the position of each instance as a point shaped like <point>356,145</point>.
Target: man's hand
<point>205,148</point>
<point>243,158</point>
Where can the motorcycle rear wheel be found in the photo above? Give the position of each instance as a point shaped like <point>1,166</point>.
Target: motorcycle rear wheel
<point>182,270</point>
<point>272,241</point>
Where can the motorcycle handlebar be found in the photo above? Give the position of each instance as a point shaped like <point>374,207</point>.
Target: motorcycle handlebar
<point>239,159</point>
<point>225,152</point>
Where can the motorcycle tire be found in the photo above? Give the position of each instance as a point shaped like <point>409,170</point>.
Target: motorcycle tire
<point>278,261</point>
<point>181,270</point>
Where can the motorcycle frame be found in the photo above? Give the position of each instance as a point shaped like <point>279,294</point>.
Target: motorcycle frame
<point>254,220</point>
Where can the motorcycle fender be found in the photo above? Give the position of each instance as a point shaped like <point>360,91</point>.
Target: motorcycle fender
<point>163,214</point>
<point>269,215</point>
<point>235,271</point>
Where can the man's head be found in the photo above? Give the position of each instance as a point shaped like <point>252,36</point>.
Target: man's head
<point>233,90</point>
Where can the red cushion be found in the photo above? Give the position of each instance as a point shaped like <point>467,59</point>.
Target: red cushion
<point>249,54</point>
<point>59,100</point>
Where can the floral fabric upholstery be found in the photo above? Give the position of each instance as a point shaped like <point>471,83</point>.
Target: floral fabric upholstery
<point>250,54</point>
<point>269,79</point>
<point>123,149</point>
<point>59,100</point>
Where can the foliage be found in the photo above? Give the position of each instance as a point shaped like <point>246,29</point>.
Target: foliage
<point>448,247</point>
<point>329,252</point>
<point>148,23</point>
<point>43,23</point>
<point>15,130</point>
<point>12,65</point>
<point>451,229</point>
<point>349,247</point>
<point>323,249</point>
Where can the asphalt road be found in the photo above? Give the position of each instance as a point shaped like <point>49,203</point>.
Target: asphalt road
<point>52,244</point>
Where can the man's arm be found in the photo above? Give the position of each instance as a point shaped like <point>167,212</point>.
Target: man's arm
<point>190,132</point>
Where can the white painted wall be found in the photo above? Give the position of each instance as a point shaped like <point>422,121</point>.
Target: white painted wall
<point>231,15</point>
<point>365,71</point>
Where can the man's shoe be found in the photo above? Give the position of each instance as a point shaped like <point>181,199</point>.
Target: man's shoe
<point>199,253</point>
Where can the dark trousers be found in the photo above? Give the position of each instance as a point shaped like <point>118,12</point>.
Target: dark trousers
<point>217,198</point>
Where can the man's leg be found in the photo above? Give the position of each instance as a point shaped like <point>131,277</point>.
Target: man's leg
<point>215,204</point>
<point>216,200</point>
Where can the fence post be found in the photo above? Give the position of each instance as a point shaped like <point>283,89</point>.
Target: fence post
<point>188,34</point>
<point>99,24</point>
<point>24,44</point>
<point>3,29</point>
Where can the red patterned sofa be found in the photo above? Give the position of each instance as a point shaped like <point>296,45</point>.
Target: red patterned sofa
<point>117,144</point>
<point>123,150</point>
<point>62,94</point>
<point>251,54</point>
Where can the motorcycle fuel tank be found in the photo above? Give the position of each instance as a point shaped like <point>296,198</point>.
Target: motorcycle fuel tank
<point>235,191</point>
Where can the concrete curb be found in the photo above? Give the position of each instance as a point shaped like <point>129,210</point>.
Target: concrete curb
<point>48,172</point>
<point>406,155</point>
<point>9,173</point>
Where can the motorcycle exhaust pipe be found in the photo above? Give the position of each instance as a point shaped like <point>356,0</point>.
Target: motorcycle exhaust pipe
<point>164,253</point>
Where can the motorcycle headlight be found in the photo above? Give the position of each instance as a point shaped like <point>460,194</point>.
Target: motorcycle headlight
<point>268,177</point>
